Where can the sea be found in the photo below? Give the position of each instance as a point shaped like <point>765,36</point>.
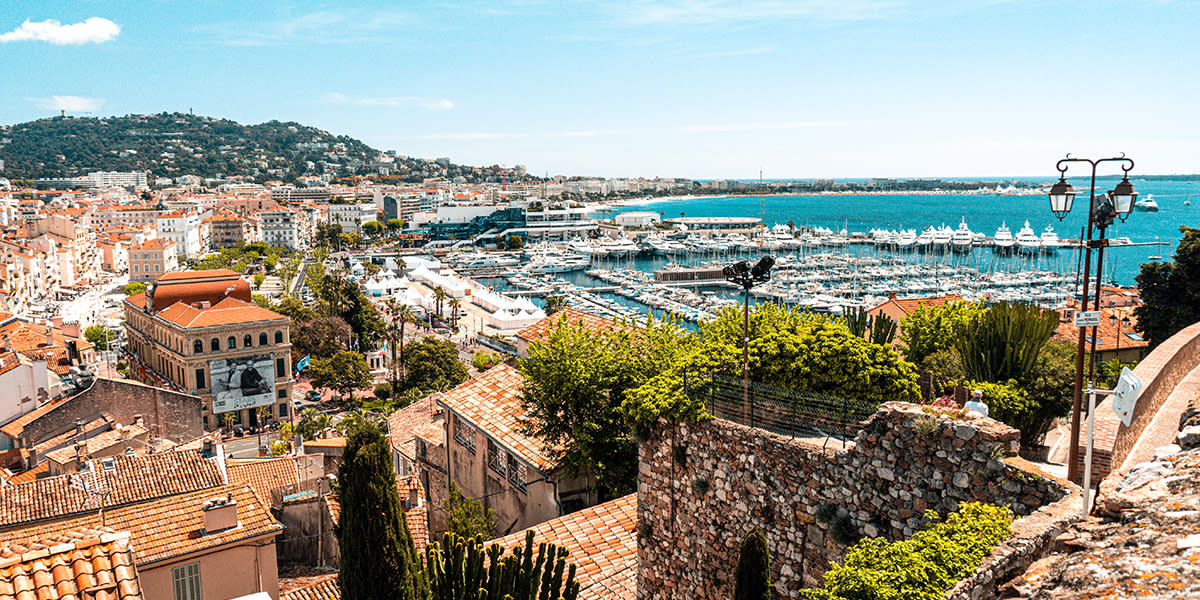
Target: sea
<point>983,213</point>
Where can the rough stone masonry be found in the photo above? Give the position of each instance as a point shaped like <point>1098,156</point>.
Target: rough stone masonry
<point>702,486</point>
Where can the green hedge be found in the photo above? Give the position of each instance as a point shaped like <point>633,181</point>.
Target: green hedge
<point>924,567</point>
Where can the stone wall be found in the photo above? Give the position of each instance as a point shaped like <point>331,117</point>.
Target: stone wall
<point>703,486</point>
<point>171,415</point>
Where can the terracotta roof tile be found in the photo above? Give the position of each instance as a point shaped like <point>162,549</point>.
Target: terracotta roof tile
<point>491,402</point>
<point>541,330</point>
<point>325,588</point>
<point>100,442</point>
<point>131,480</point>
<point>159,243</point>
<point>409,422</point>
<point>1106,334</point>
<point>602,541</point>
<point>164,528</point>
<point>908,305</point>
<point>417,518</point>
<point>226,312</point>
<point>264,476</point>
<point>72,569</point>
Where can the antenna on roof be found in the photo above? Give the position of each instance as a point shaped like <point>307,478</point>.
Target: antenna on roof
<point>92,488</point>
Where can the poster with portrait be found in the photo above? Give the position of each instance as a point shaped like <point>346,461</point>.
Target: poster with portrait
<point>243,382</point>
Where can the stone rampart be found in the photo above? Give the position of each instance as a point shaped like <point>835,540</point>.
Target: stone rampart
<point>702,486</point>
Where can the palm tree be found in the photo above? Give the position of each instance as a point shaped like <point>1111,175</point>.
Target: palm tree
<point>439,294</point>
<point>406,315</point>
<point>263,412</point>
<point>454,304</point>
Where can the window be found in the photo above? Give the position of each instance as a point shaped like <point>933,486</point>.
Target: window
<point>200,379</point>
<point>197,347</point>
<point>215,345</point>
<point>516,473</point>
<point>464,434</point>
<point>1133,336</point>
<point>187,581</point>
<point>495,458</point>
<point>262,339</point>
<point>231,342</point>
<point>278,337</point>
<point>279,367</point>
<point>135,268</point>
<point>246,341</point>
<point>281,394</point>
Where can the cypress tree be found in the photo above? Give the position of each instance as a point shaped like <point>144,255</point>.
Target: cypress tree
<point>752,579</point>
<point>378,557</point>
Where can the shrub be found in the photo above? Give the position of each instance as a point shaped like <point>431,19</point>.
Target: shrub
<point>484,360</point>
<point>1007,402</point>
<point>383,391</point>
<point>752,579</point>
<point>923,567</point>
<point>927,427</point>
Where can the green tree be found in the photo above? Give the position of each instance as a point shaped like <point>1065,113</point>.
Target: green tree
<point>752,578</point>
<point>467,517</point>
<point>259,278</point>
<point>514,242</point>
<point>372,228</point>
<point>1170,291</point>
<point>270,262</point>
<point>555,303</point>
<point>134,287</point>
<point>433,364</point>
<point>576,382</point>
<point>1051,385</point>
<point>344,372</point>
<point>395,224</point>
<point>320,337</point>
<point>1004,342</point>
<point>383,391</point>
<point>99,335</point>
<point>378,558</point>
<point>930,329</point>
<point>439,294</point>
<point>455,305</point>
<point>312,422</point>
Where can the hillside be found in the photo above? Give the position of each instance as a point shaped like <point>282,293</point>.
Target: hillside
<point>175,144</point>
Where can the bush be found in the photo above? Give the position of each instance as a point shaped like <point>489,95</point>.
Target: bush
<point>923,567</point>
<point>383,391</point>
<point>1007,402</point>
<point>134,287</point>
<point>484,360</point>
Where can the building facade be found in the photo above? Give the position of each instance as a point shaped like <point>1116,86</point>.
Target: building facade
<point>152,258</point>
<point>200,333</point>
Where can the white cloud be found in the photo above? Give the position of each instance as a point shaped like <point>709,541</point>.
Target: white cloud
<point>68,103</point>
<point>94,31</point>
<point>436,104</point>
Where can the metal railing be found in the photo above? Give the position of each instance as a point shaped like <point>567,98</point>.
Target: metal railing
<point>780,410</point>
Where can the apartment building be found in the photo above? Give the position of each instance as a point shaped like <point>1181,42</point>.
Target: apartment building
<point>200,333</point>
<point>283,228</point>
<point>185,228</point>
<point>352,216</point>
<point>227,230</point>
<point>152,258</point>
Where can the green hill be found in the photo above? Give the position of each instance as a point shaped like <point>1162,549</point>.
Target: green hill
<point>175,144</point>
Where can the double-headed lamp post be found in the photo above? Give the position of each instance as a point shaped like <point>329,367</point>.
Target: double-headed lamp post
<point>1101,212</point>
<point>746,276</point>
<point>1124,322</point>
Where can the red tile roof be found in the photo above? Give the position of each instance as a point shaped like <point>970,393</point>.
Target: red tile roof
<point>416,518</point>
<point>159,243</point>
<point>908,305</point>
<point>132,480</point>
<point>226,312</point>
<point>407,423</point>
<point>491,402</point>
<point>264,476</point>
<point>541,330</point>
<point>97,565</point>
<point>324,588</point>
<point>166,528</point>
<point>1107,333</point>
<point>602,541</point>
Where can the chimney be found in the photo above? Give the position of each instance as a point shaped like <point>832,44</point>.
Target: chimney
<point>56,321</point>
<point>49,337</point>
<point>78,426</point>
<point>150,297</point>
<point>219,514</point>
<point>81,451</point>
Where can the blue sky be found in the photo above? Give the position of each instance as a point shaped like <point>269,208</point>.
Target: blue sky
<point>690,88</point>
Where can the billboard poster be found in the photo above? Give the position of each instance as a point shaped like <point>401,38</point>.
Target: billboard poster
<point>242,382</point>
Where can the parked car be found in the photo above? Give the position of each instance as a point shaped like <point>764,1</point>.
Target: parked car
<point>238,431</point>
<point>312,396</point>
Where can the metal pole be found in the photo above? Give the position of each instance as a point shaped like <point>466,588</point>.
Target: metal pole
<point>1077,401</point>
<point>1096,307</point>
<point>1087,465</point>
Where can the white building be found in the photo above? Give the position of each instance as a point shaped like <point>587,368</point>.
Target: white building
<point>24,384</point>
<point>185,228</point>
<point>282,228</point>
<point>637,219</point>
<point>130,179</point>
<point>352,216</point>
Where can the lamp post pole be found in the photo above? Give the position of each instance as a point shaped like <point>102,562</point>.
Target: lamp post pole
<point>742,274</point>
<point>1061,198</point>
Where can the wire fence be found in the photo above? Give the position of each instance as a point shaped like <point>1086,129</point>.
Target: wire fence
<point>780,410</point>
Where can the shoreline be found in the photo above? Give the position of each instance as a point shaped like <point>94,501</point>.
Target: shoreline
<point>613,204</point>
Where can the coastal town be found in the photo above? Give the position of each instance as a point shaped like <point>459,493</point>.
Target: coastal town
<point>630,300</point>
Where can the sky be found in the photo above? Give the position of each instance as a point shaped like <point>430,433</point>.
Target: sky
<point>683,88</point>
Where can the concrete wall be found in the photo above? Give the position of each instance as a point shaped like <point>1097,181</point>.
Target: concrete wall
<point>307,537</point>
<point>167,414</point>
<point>703,486</point>
<point>230,572</point>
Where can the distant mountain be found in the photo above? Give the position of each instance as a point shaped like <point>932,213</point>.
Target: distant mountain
<point>175,144</point>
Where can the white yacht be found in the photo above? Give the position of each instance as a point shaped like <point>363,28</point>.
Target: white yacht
<point>1049,240</point>
<point>941,237</point>
<point>962,237</point>
<point>926,237</point>
<point>1147,204</point>
<point>585,248</point>
<point>1027,240</point>
<point>1004,240</point>
<point>906,239</point>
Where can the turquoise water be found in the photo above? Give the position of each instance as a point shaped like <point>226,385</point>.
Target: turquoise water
<point>983,213</point>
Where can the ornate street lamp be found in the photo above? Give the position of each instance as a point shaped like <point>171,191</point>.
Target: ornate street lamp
<point>742,274</point>
<point>1101,212</point>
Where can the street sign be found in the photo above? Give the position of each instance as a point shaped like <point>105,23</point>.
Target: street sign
<point>1125,395</point>
<point>1087,318</point>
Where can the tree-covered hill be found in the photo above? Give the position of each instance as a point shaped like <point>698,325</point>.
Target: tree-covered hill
<point>175,144</point>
